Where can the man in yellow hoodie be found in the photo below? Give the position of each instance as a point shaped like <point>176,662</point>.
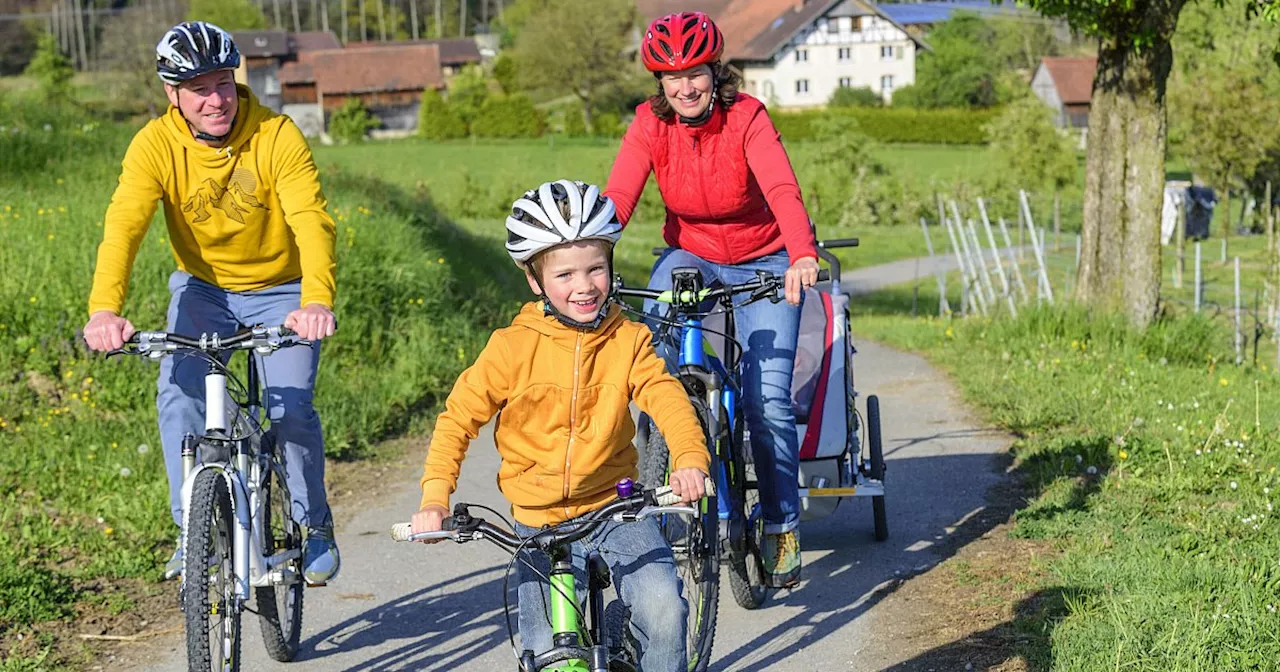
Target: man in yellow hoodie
<point>253,242</point>
<point>561,378</point>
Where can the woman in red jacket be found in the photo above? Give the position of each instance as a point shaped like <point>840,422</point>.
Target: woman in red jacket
<point>733,208</point>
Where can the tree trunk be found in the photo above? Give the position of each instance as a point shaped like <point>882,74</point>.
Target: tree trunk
<point>413,17</point>
<point>382,23</point>
<point>439,19</point>
<point>344,23</point>
<point>462,20</point>
<point>586,117</point>
<point>1124,180</point>
<point>364,29</point>
<point>297,23</point>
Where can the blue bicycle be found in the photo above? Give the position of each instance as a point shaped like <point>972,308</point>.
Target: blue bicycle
<point>832,467</point>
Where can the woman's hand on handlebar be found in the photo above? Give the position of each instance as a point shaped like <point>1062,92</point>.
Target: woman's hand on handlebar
<point>312,322</point>
<point>106,331</point>
<point>429,519</point>
<point>688,484</point>
<point>802,275</point>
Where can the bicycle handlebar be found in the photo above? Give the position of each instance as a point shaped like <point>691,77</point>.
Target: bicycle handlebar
<point>765,285</point>
<point>159,343</point>
<point>463,527</point>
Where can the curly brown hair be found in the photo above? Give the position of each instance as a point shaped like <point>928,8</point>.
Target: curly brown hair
<point>727,80</point>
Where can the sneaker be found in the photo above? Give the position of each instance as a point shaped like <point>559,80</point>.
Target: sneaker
<point>320,560</point>
<point>782,559</point>
<point>173,566</point>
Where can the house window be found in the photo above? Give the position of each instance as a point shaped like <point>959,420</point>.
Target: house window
<point>886,83</point>
<point>802,55</point>
<point>846,82</point>
<point>767,89</point>
<point>845,53</point>
<point>833,25</point>
<point>855,24</point>
<point>802,86</point>
<point>886,53</point>
<point>897,53</point>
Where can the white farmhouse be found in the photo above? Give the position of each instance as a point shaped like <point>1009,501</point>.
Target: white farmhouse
<point>796,53</point>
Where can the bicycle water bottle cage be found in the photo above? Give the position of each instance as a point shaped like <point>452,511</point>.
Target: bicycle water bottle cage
<point>686,283</point>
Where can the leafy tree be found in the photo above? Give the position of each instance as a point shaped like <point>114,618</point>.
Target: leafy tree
<point>394,22</point>
<point>228,14</point>
<point>506,72</point>
<point>127,48</point>
<point>1223,96</point>
<point>1124,177</point>
<point>846,96</point>
<point>1025,142</point>
<point>51,70</point>
<point>467,93</point>
<point>504,116</point>
<point>437,119</point>
<point>351,122</point>
<point>572,47</point>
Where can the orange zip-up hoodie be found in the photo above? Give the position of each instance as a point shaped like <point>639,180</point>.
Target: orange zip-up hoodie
<point>564,428</point>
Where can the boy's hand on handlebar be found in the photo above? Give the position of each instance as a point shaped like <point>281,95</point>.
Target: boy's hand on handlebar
<point>106,331</point>
<point>688,484</point>
<point>802,275</point>
<point>312,322</point>
<point>430,519</point>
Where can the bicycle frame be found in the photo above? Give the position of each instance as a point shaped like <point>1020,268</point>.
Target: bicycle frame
<point>244,478</point>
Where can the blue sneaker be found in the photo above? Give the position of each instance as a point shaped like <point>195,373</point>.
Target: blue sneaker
<point>320,559</point>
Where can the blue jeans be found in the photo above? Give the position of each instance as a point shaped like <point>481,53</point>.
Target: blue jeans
<point>768,332</point>
<point>644,573</point>
<point>289,375</point>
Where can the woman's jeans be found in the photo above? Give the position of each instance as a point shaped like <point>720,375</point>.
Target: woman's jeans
<point>768,332</point>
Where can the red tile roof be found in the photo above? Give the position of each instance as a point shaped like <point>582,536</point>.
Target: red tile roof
<point>453,51</point>
<point>392,68</point>
<point>1072,77</point>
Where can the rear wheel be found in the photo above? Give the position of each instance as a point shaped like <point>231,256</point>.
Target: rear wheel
<point>280,604</point>
<point>208,594</point>
<point>696,545</point>
<point>877,466</point>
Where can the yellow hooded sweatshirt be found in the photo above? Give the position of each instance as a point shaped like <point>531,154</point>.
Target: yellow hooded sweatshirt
<point>564,431</point>
<point>248,215</point>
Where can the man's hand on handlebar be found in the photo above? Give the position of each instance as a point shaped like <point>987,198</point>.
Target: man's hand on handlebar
<point>688,484</point>
<point>430,519</point>
<point>106,331</point>
<point>802,275</point>
<point>312,322</point>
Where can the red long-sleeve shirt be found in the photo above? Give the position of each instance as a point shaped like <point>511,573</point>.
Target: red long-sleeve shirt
<point>730,193</point>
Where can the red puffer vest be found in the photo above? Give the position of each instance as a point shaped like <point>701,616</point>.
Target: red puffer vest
<point>728,187</point>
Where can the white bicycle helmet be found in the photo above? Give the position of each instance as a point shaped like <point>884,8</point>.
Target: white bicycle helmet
<point>537,224</point>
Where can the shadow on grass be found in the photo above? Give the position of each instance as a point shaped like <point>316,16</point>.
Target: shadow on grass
<point>1026,638</point>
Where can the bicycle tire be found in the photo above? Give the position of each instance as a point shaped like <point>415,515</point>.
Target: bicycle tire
<point>746,566</point>
<point>624,651</point>
<point>280,635</point>
<point>877,466</point>
<point>696,547</point>
<point>208,542</point>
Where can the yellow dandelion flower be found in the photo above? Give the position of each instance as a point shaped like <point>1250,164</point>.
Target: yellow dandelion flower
<point>33,299</point>
<point>1224,382</point>
<point>1124,455</point>
<point>440,260</point>
<point>59,181</point>
<point>109,531</point>
<point>419,301</point>
<point>114,444</point>
<point>949,333</point>
<point>40,212</point>
<point>62,209</point>
<point>8,208</point>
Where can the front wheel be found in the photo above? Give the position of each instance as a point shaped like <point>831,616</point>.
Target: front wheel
<point>695,544</point>
<point>280,604</point>
<point>208,575</point>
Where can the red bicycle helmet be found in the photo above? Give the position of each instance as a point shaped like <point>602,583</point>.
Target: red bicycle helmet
<point>681,41</point>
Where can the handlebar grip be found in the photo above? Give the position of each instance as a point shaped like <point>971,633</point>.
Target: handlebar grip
<point>838,242</point>
<point>665,497</point>
<point>657,251</point>
<point>824,275</point>
<point>286,331</point>
<point>401,531</point>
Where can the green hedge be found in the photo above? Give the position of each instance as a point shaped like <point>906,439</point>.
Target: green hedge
<point>511,116</point>
<point>896,125</point>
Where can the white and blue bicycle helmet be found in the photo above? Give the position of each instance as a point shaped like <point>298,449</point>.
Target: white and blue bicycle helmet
<point>194,48</point>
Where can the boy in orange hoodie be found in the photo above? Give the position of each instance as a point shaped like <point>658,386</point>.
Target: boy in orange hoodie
<point>561,377</point>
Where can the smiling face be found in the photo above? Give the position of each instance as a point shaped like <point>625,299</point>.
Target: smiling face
<point>575,278</point>
<point>688,91</point>
<point>208,102</point>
